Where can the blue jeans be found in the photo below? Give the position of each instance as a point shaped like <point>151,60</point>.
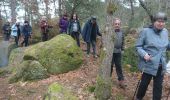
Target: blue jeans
<point>157,85</point>
<point>116,59</point>
<point>93,42</point>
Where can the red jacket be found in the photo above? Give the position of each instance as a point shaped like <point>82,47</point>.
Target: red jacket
<point>44,26</point>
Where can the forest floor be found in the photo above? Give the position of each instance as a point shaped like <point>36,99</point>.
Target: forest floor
<point>78,81</point>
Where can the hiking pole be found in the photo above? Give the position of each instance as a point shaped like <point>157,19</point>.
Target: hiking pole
<point>140,78</point>
<point>168,94</point>
<point>168,72</point>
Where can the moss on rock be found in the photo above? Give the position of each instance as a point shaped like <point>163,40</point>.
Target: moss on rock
<point>58,92</point>
<point>58,55</point>
<point>16,56</point>
<point>29,70</point>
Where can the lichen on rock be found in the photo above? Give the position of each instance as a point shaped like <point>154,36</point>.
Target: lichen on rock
<point>58,92</point>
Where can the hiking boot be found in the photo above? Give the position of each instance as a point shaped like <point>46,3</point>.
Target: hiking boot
<point>137,99</point>
<point>88,56</point>
<point>122,84</point>
<point>95,56</point>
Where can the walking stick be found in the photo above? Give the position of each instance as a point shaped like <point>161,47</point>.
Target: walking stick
<point>168,94</point>
<point>140,78</point>
<point>137,86</point>
<point>168,72</point>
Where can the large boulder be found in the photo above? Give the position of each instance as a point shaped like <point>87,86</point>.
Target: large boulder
<point>58,55</point>
<point>58,92</point>
<point>29,70</point>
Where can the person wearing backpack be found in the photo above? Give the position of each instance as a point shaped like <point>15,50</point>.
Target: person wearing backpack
<point>74,28</point>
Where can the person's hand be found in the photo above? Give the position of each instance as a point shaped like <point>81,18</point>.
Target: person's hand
<point>147,57</point>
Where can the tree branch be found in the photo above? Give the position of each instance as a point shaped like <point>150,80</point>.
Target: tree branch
<point>146,9</point>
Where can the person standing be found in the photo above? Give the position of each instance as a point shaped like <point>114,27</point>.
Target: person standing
<point>74,28</point>
<point>18,31</point>
<point>14,33</point>
<point>63,24</point>
<point>117,52</point>
<point>26,33</point>
<point>44,29</point>
<point>89,34</point>
<point>6,31</point>
<point>151,47</point>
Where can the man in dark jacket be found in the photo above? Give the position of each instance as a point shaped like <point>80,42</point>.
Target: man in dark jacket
<point>26,33</point>
<point>18,31</point>
<point>6,31</point>
<point>117,53</point>
<point>89,34</point>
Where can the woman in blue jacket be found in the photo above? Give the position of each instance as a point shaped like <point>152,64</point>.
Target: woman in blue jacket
<point>14,33</point>
<point>151,47</point>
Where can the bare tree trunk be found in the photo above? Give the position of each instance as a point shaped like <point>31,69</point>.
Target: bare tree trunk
<point>59,8</point>
<point>25,14</point>
<point>13,5</point>
<point>132,15</point>
<point>75,5</point>
<point>0,12</point>
<point>132,9</point>
<point>146,9</point>
<point>6,15</point>
<point>46,8</point>
<point>55,10</point>
<point>104,86</point>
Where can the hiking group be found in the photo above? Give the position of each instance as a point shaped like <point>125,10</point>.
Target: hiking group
<point>151,46</point>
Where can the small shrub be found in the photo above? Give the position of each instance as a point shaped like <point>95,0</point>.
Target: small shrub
<point>130,58</point>
<point>91,88</point>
